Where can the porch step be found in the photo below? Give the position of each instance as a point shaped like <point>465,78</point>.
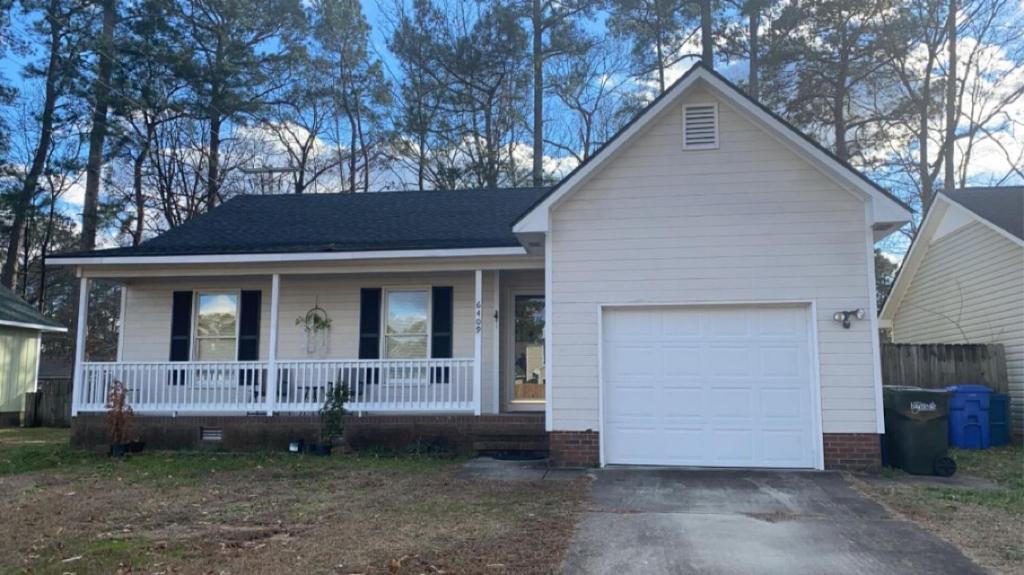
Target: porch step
<point>534,442</point>
<point>510,446</point>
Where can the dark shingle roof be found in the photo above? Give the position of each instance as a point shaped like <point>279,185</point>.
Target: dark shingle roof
<point>345,222</point>
<point>1003,206</point>
<point>13,309</point>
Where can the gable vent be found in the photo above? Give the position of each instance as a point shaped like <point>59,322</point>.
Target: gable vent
<point>700,127</point>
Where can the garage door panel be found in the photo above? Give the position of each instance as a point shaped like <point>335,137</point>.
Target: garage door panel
<point>731,402</point>
<point>683,402</point>
<point>682,361</point>
<point>783,404</point>
<point>725,323</point>
<point>634,361</point>
<point>784,447</point>
<point>781,361</point>
<point>732,446</point>
<point>728,360</point>
<point>680,325</point>
<point>708,387</point>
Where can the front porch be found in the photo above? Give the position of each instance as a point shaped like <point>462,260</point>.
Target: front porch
<point>226,342</point>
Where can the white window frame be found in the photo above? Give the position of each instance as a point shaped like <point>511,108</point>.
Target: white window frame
<point>718,129</point>
<point>194,347</point>
<point>430,318</point>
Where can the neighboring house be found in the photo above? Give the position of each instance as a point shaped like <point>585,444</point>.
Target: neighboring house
<point>21,328</point>
<point>671,301</point>
<point>963,279</point>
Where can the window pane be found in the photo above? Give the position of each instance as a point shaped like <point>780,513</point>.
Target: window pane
<point>529,349</point>
<point>407,347</point>
<point>217,314</point>
<point>407,312</point>
<point>216,349</point>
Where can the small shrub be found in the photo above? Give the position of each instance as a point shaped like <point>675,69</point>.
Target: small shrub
<point>120,417</point>
<point>332,413</point>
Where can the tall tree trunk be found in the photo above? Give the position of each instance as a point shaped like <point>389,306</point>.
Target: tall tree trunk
<point>950,148</point>
<point>213,165</point>
<point>660,50</point>
<point>924,173</point>
<point>754,25</point>
<point>98,132</point>
<point>352,152</point>
<point>137,191</point>
<point>707,42</point>
<point>538,94</point>
<point>23,201</point>
<point>44,249</point>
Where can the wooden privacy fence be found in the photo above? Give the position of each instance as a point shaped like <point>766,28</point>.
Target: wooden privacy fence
<point>938,365</point>
<point>51,405</point>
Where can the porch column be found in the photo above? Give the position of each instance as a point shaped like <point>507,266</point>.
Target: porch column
<point>271,399</point>
<point>80,331</point>
<point>478,344</point>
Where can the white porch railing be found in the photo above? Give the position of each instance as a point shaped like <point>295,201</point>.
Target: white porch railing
<point>242,387</point>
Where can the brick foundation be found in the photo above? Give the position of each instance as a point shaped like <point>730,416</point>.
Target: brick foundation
<point>574,448</point>
<point>448,433</point>
<point>860,452</point>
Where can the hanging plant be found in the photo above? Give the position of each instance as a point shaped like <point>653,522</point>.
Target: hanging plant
<point>315,320</point>
<point>317,326</point>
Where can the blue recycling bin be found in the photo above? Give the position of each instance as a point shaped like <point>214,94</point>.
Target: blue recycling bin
<point>969,426</point>
<point>999,419</point>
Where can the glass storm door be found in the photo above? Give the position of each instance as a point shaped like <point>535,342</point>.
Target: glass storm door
<point>528,379</point>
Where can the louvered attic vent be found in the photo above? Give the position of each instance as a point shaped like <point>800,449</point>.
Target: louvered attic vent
<point>700,127</point>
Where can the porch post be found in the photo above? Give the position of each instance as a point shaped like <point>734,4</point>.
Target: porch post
<point>80,331</point>
<point>271,399</point>
<point>478,344</point>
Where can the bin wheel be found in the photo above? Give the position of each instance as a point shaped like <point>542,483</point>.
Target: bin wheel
<point>944,466</point>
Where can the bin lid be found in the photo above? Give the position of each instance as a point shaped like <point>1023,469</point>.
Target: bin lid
<point>968,388</point>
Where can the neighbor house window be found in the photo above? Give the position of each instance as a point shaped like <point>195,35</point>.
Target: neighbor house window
<point>406,324</point>
<point>216,326</point>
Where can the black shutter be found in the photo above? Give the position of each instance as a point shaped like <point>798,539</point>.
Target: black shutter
<point>369,329</point>
<point>181,325</point>
<point>181,332</point>
<point>441,323</point>
<point>249,335</point>
<point>442,319</point>
<point>249,327</point>
<point>369,323</point>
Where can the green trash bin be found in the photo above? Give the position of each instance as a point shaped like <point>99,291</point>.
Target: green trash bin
<point>917,430</point>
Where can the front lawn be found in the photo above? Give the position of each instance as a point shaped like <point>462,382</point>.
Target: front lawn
<point>69,511</point>
<point>985,521</point>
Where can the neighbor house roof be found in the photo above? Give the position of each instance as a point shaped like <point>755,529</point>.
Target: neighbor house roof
<point>1001,209</point>
<point>1001,206</point>
<point>15,312</point>
<point>311,223</point>
<point>890,212</point>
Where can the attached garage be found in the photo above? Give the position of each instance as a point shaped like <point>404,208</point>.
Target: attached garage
<point>716,386</point>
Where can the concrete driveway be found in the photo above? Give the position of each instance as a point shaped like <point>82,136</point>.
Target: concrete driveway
<point>697,521</point>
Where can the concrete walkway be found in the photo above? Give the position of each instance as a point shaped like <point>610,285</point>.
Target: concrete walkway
<point>697,521</point>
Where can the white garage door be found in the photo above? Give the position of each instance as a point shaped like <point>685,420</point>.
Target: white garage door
<point>714,386</point>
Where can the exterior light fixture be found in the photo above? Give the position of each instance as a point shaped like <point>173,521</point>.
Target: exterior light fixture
<point>845,316</point>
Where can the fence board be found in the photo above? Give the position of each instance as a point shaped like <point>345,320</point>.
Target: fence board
<point>937,365</point>
<point>51,405</point>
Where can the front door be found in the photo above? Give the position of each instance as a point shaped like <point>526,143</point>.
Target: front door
<point>526,372</point>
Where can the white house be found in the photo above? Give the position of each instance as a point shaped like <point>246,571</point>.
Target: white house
<point>963,279</point>
<point>671,302</point>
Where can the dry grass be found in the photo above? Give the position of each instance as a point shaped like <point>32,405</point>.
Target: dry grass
<point>221,513</point>
<point>987,524</point>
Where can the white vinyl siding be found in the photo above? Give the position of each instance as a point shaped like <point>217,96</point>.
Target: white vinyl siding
<point>748,222</point>
<point>19,363</point>
<point>969,288</point>
<point>148,314</point>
